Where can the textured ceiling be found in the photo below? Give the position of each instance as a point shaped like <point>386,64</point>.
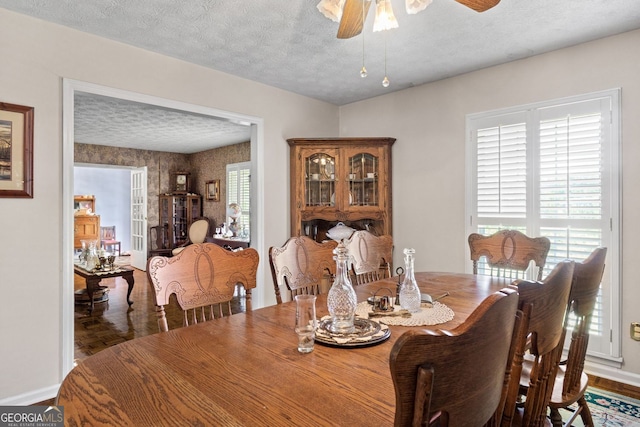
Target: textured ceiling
<point>101,120</point>
<point>290,45</point>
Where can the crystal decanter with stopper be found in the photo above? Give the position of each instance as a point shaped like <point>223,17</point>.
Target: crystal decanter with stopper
<point>409,291</point>
<point>341,299</point>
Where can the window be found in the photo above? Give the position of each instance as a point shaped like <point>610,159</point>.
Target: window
<point>239,191</point>
<point>551,169</point>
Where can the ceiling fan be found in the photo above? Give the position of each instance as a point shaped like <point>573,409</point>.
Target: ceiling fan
<point>354,12</point>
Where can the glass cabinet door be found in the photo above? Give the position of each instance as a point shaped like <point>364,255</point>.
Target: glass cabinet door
<point>363,179</point>
<point>320,180</point>
<point>196,209</point>
<point>180,219</point>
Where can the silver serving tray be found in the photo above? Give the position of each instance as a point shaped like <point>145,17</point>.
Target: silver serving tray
<point>367,333</point>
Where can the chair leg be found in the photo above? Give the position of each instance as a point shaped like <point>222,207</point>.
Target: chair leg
<point>585,413</point>
<point>556,418</point>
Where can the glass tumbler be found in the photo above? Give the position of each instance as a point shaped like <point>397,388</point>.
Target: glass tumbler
<point>306,322</point>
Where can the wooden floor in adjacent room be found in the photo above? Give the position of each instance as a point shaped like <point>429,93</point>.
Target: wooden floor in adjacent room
<point>113,321</point>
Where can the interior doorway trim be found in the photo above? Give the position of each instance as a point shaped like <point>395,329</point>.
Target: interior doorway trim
<point>69,88</point>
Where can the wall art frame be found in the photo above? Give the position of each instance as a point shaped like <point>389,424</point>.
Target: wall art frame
<point>212,190</point>
<point>16,151</point>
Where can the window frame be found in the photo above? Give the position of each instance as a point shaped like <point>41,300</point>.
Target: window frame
<point>245,217</point>
<point>611,195</point>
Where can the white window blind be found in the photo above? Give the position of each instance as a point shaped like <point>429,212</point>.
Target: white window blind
<point>239,191</point>
<point>502,171</point>
<point>550,169</point>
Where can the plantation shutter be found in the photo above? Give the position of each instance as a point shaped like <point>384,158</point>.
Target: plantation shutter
<point>239,191</point>
<point>547,170</point>
<point>502,171</point>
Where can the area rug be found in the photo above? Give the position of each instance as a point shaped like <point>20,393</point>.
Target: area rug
<point>611,409</point>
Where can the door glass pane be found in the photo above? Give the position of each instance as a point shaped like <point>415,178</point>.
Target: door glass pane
<point>320,180</point>
<point>363,180</point>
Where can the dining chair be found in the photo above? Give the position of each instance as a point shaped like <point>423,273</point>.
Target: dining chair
<point>455,378</point>
<point>203,276</point>
<point>198,231</point>
<point>508,253</point>
<point>108,238</point>
<point>543,305</point>
<point>301,265</point>
<point>370,256</point>
<point>571,381</point>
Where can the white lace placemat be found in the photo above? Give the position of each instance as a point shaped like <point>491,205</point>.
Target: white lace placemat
<point>100,273</point>
<point>428,315</point>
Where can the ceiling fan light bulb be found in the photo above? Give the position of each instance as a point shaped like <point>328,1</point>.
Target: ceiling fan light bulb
<point>385,81</point>
<point>385,19</point>
<point>415,6</point>
<point>331,9</point>
<point>363,72</point>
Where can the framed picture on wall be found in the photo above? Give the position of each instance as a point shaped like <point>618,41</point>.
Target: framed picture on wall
<point>213,190</point>
<point>16,151</point>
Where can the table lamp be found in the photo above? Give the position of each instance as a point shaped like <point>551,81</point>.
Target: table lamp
<point>234,212</point>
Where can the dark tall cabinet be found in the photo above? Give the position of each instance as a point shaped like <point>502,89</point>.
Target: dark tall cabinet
<point>177,212</point>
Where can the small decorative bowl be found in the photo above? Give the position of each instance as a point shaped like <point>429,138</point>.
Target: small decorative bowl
<point>382,303</point>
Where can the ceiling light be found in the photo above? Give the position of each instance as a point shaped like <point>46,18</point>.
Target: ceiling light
<point>385,19</point>
<point>415,6</point>
<point>331,9</point>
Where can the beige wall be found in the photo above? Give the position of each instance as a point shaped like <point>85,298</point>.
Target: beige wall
<point>37,56</point>
<point>429,124</point>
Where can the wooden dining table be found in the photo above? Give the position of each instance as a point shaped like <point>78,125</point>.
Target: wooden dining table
<point>245,370</point>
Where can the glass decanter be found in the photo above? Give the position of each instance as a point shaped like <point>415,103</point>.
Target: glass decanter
<point>92,256</point>
<point>409,291</point>
<point>341,299</point>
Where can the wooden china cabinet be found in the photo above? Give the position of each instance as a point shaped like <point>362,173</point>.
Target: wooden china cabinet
<point>86,224</point>
<point>340,180</point>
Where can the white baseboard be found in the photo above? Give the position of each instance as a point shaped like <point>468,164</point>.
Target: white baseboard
<point>612,373</point>
<point>31,397</point>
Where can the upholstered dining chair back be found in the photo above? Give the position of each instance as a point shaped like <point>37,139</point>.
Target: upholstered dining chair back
<point>198,231</point>
<point>203,277</point>
<point>108,238</point>
<point>543,306</point>
<point>571,381</point>
<point>370,256</point>
<point>301,265</point>
<point>508,253</point>
<point>455,378</point>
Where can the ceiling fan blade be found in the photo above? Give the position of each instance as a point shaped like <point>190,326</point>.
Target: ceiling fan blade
<point>351,23</point>
<point>479,5</point>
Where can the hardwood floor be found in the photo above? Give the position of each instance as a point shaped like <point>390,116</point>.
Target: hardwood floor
<point>113,321</point>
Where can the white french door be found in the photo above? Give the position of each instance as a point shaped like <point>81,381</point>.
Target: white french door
<point>139,218</point>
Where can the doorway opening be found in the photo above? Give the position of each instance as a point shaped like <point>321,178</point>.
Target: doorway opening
<point>70,89</point>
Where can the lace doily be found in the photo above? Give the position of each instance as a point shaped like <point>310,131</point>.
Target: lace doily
<point>428,315</point>
<point>115,270</point>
